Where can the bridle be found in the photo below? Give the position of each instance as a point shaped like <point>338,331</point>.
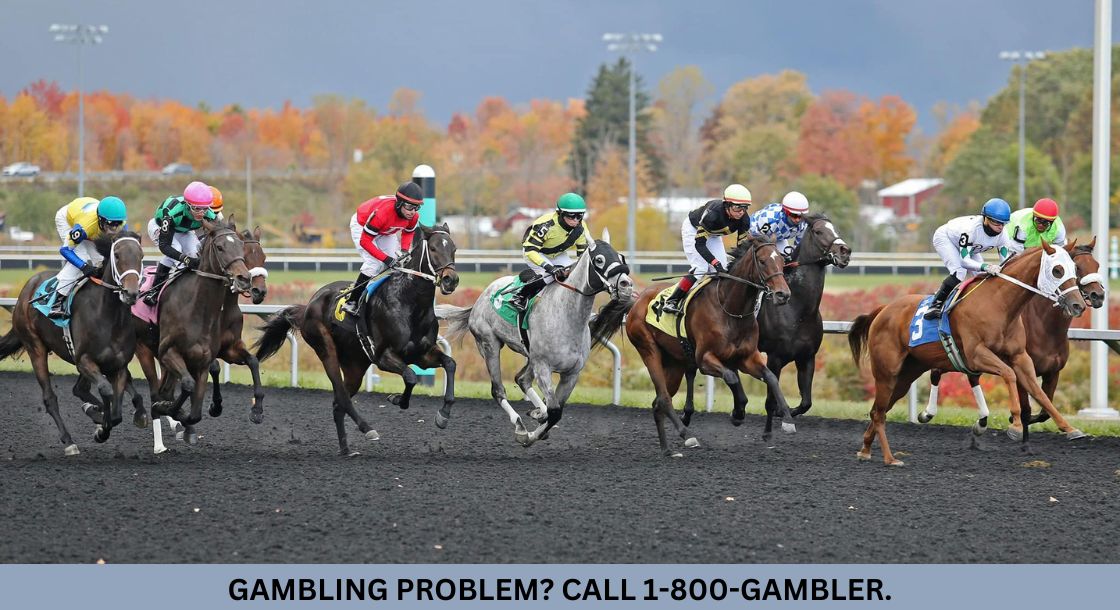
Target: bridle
<point>761,284</point>
<point>603,277</point>
<point>426,260</point>
<point>255,272</point>
<point>118,276</point>
<point>828,257</point>
<point>1089,278</point>
<point>211,255</point>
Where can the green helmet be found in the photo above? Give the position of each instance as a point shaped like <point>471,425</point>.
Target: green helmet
<point>571,202</point>
<point>112,209</point>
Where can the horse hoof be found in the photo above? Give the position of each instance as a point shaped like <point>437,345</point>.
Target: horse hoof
<point>256,416</point>
<point>863,457</point>
<point>766,436</point>
<point>674,454</point>
<point>215,410</point>
<point>372,435</point>
<point>396,399</point>
<point>159,450</point>
<point>441,421</point>
<point>737,421</point>
<point>192,438</point>
<point>351,454</point>
<point>70,450</point>
<point>179,434</point>
<point>686,419</point>
<point>1075,434</point>
<point>691,442</point>
<point>896,463</point>
<point>978,430</point>
<point>1015,434</point>
<point>101,434</point>
<point>924,418</point>
<point>141,420</point>
<point>788,428</point>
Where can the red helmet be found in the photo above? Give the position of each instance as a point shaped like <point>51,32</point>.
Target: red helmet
<point>1046,209</point>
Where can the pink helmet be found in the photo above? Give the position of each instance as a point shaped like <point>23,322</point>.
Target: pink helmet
<point>198,194</point>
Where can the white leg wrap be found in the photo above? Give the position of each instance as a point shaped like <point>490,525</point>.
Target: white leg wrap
<point>534,398</point>
<point>931,408</point>
<point>981,404</point>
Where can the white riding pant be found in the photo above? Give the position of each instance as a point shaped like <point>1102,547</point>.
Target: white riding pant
<point>187,243</point>
<point>714,243</point>
<point>950,252</point>
<point>69,275</point>
<point>562,259</point>
<point>389,244</point>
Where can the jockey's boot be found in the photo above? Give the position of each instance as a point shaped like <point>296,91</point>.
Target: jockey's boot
<point>947,286</point>
<point>351,304</point>
<point>520,300</point>
<point>162,271</point>
<point>57,312</point>
<point>673,303</point>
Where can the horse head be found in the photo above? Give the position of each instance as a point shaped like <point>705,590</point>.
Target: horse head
<point>608,269</point>
<point>126,258</point>
<point>437,256</point>
<point>1088,273</point>
<point>223,253</point>
<point>1057,279</point>
<point>254,260</point>
<point>758,263</point>
<point>822,243</point>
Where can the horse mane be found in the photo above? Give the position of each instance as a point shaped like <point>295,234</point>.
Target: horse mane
<point>1081,249</point>
<point>809,220</point>
<point>738,254</point>
<point>104,243</point>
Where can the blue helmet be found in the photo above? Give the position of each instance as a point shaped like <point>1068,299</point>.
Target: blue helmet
<point>112,209</point>
<point>998,210</point>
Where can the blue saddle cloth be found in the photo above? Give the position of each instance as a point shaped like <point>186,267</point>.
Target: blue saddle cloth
<point>924,331</point>
<point>45,296</point>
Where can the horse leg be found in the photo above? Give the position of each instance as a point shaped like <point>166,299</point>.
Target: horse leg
<point>389,361</point>
<point>673,374</point>
<point>140,417</point>
<point>353,374</point>
<point>215,409</point>
<point>524,380</point>
<point>436,357</point>
<point>663,399</point>
<point>542,374</point>
<point>774,364</point>
<point>491,349</point>
<point>710,365</point>
<point>89,369</point>
<point>239,354</point>
<point>1024,369</point>
<point>689,391</point>
<point>91,405</point>
<point>175,366</point>
<point>754,366</point>
<point>38,356</point>
<point>806,369</point>
<point>1049,386</point>
<point>318,337</point>
<point>930,411</point>
<point>985,360</point>
<point>981,425</point>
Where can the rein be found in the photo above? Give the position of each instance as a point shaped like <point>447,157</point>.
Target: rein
<point>763,290</point>
<point>426,258</point>
<point>118,277</point>
<point>226,279</point>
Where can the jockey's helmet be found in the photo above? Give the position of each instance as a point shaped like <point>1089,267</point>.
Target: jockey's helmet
<point>409,193</point>
<point>737,194</point>
<point>1046,209</point>
<point>198,195</point>
<point>795,204</point>
<point>571,203</point>
<point>216,202</point>
<point>997,210</point>
<point>111,213</point>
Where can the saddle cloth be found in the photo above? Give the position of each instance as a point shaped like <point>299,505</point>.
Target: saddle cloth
<point>667,322</point>
<point>47,293</point>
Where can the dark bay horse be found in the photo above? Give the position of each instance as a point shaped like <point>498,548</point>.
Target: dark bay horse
<point>100,329</point>
<point>984,327</point>
<point>721,325</point>
<point>1047,336</point>
<point>402,324</point>
<point>793,332</point>
<point>191,321</point>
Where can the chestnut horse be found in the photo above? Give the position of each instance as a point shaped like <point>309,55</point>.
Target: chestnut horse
<point>1047,331</point>
<point>986,327</point>
<point>720,323</point>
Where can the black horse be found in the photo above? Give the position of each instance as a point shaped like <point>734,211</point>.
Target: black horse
<point>402,327</point>
<point>191,319</point>
<point>100,331</point>
<point>793,332</point>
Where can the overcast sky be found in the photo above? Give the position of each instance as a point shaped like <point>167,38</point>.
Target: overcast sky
<point>259,53</point>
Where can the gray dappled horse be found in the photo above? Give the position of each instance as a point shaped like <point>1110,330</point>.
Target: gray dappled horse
<point>100,327</point>
<point>559,332</point>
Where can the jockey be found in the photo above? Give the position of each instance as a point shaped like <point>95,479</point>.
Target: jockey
<point>962,240</point>
<point>546,245</point>
<point>382,228</point>
<point>782,221</point>
<point>216,203</point>
<point>79,223</point>
<point>1028,227</point>
<point>702,234</point>
<point>173,229</point>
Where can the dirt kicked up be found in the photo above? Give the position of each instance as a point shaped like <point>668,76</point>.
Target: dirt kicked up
<point>596,491</point>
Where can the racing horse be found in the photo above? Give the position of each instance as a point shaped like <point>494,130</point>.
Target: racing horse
<point>986,327</point>
<point>1047,335</point>
<point>100,325</point>
<point>191,321</point>
<point>402,328</point>
<point>559,334</point>
<point>233,349</point>
<point>722,334</point>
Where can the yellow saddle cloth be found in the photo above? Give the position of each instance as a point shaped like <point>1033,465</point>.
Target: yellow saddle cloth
<point>667,322</point>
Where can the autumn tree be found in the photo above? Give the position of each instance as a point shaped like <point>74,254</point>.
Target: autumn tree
<point>675,125</point>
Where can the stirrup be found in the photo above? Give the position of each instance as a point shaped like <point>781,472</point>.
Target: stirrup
<point>519,303</point>
<point>350,307</point>
<point>57,312</point>
<point>671,306</point>
<point>934,312</point>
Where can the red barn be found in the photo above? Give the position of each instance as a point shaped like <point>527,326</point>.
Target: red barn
<point>906,197</point>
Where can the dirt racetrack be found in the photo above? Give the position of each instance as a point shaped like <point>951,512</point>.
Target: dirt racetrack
<point>597,491</point>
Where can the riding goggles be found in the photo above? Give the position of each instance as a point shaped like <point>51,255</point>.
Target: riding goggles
<point>572,215</point>
<point>412,207</point>
<point>739,206</point>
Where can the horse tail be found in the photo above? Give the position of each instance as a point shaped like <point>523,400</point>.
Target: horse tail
<point>10,345</point>
<point>857,336</point>
<point>275,330</point>
<point>458,320</point>
<point>607,322</point>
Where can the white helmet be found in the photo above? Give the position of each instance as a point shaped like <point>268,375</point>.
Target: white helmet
<point>737,193</point>
<point>795,203</point>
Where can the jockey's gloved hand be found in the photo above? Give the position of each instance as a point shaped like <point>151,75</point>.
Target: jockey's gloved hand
<point>561,273</point>
<point>719,267</point>
<point>190,261</point>
<point>89,269</point>
<point>990,268</point>
<point>390,262</point>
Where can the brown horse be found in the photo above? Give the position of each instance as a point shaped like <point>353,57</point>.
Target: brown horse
<point>191,321</point>
<point>1047,330</point>
<point>101,345</point>
<point>986,327</point>
<point>720,323</point>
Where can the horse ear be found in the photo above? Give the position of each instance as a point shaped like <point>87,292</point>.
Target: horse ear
<point>257,233</point>
<point>230,222</point>
<point>208,225</point>
<point>1047,247</point>
<point>1071,245</point>
<point>1093,244</point>
<point>606,235</point>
